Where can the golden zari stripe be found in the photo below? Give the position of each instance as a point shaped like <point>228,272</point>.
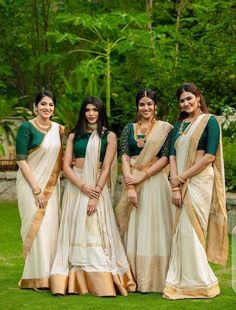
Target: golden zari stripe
<point>32,283</point>
<point>172,292</point>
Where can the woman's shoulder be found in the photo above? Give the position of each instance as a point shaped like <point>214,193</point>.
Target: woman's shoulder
<point>166,124</point>
<point>71,137</point>
<point>111,135</point>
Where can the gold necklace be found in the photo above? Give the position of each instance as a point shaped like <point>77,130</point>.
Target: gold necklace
<point>41,127</point>
<point>181,128</point>
<point>145,131</point>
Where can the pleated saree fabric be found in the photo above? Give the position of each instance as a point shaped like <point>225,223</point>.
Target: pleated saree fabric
<point>90,256</point>
<point>39,227</point>
<point>200,230</point>
<point>147,229</point>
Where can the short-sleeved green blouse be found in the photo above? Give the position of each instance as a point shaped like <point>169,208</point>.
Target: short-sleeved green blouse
<point>28,137</point>
<point>209,140</point>
<point>128,144</point>
<point>80,145</point>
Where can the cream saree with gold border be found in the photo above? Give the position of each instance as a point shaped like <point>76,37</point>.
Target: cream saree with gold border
<point>39,227</point>
<point>200,221</point>
<point>90,256</point>
<point>147,230</point>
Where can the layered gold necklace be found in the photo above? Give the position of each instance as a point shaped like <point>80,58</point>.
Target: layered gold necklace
<point>41,127</point>
<point>145,131</point>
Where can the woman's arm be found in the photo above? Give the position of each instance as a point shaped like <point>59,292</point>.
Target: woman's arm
<point>69,173</point>
<point>140,176</point>
<point>28,175</point>
<point>106,166</point>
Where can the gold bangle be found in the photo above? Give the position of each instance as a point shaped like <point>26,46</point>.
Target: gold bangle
<point>81,187</point>
<point>148,175</point>
<point>99,186</point>
<point>37,193</point>
<point>174,189</point>
<point>181,180</point>
<point>130,187</point>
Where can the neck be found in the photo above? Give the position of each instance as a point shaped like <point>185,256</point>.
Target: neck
<point>92,126</point>
<point>146,121</point>
<point>43,121</point>
<point>195,114</point>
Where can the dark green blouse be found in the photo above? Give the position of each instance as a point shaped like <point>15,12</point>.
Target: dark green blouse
<point>209,140</point>
<point>80,145</point>
<point>28,137</point>
<point>128,144</point>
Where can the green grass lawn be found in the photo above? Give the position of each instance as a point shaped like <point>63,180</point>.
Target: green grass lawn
<point>11,297</point>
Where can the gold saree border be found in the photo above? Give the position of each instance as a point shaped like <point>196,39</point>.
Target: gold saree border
<point>173,292</point>
<point>38,218</point>
<point>96,283</point>
<point>34,283</point>
<point>150,150</point>
<point>149,271</point>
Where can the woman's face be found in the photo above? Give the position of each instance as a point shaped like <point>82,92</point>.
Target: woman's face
<point>91,113</point>
<point>146,108</point>
<point>45,107</point>
<point>189,103</point>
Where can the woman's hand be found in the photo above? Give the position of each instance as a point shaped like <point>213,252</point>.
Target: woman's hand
<point>134,179</point>
<point>177,198</point>
<point>174,182</point>
<point>91,209</point>
<point>132,197</point>
<point>40,201</point>
<point>89,191</point>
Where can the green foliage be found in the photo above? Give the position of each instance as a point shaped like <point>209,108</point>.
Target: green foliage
<point>229,146</point>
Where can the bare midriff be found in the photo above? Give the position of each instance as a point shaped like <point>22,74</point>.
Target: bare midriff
<point>79,163</point>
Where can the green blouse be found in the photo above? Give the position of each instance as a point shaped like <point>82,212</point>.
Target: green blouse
<point>80,145</point>
<point>128,144</point>
<point>28,137</point>
<point>209,140</point>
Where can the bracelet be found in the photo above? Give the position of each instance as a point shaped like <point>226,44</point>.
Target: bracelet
<point>130,187</point>
<point>37,193</point>
<point>81,187</point>
<point>181,180</point>
<point>148,175</point>
<point>99,186</point>
<point>175,189</point>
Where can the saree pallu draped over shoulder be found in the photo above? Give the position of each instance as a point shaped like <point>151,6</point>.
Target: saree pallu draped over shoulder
<point>90,256</point>
<point>39,227</point>
<point>201,224</point>
<point>147,230</point>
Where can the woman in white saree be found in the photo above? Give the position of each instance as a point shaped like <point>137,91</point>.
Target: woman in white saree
<point>39,156</point>
<point>197,179</point>
<point>144,213</point>
<point>90,256</point>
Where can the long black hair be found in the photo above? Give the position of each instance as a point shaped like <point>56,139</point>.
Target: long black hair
<point>44,93</point>
<point>81,126</point>
<point>191,88</point>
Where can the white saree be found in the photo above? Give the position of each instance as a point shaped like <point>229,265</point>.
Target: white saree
<point>147,229</point>
<point>90,256</point>
<point>39,227</point>
<point>189,274</point>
